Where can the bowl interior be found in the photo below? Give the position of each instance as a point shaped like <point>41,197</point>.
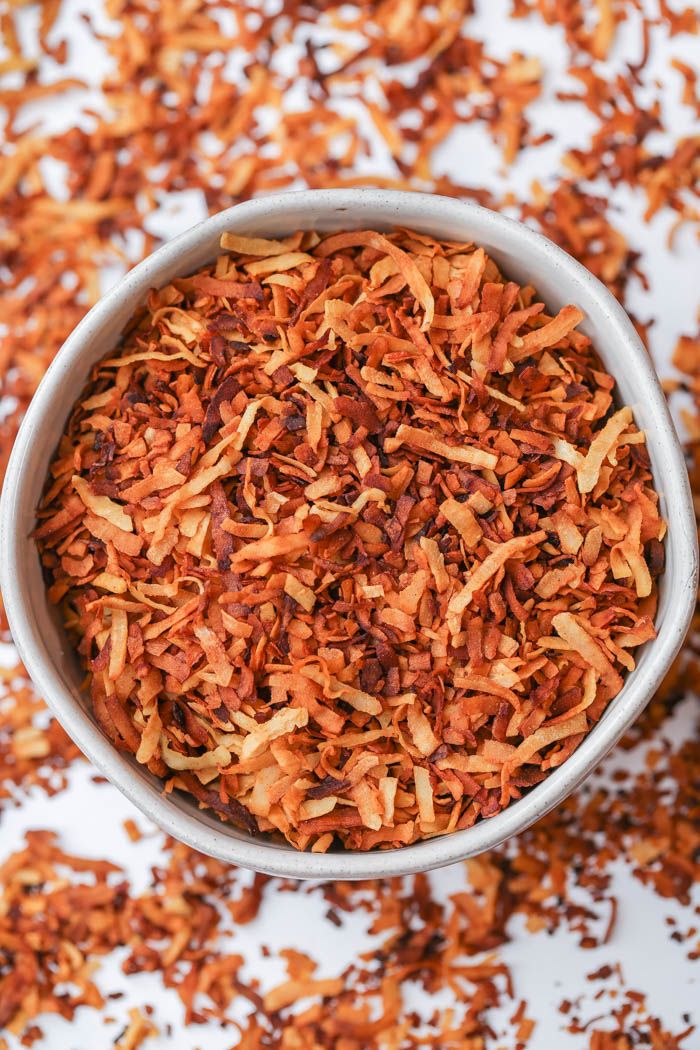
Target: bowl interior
<point>522,255</point>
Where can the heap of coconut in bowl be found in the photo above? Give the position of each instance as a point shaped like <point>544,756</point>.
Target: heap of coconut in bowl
<point>353,539</point>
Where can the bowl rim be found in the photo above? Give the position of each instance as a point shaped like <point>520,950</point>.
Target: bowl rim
<point>266,856</point>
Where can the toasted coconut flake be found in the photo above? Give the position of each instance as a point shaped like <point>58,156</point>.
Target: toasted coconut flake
<point>387,791</point>
<point>333,688</point>
<point>571,631</point>
<point>102,506</point>
<point>557,579</point>
<point>215,654</point>
<point>150,738</point>
<point>118,643</point>
<point>545,737</point>
<point>481,575</point>
<point>549,334</point>
<point>416,438</point>
<point>424,796</point>
<point>419,727</point>
<point>220,756</point>
<point>588,471</point>
<point>291,991</point>
<point>139,1029</point>
<point>232,242</point>
<point>270,547</point>
<point>279,725</point>
<point>570,537</point>
<point>461,516</point>
<point>436,561</point>
<point>299,592</point>
<point>480,684</point>
<point>369,805</point>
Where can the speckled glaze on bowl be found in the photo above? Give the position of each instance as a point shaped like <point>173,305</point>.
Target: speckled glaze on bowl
<point>525,256</point>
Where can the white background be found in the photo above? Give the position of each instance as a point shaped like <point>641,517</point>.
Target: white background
<point>89,816</point>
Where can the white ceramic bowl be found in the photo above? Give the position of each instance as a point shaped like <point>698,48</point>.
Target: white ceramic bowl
<point>525,256</point>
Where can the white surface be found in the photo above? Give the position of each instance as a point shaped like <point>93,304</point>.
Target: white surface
<point>545,969</point>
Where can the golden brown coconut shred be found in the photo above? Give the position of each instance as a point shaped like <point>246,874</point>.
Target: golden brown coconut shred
<point>356,543</point>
